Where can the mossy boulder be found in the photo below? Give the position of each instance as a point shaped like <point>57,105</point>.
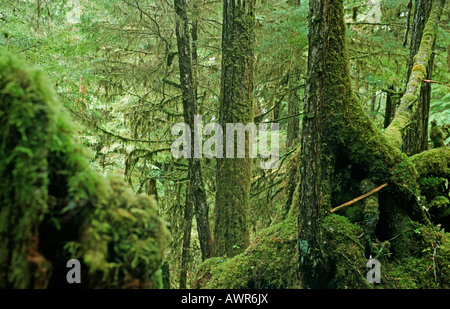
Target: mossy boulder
<point>53,207</point>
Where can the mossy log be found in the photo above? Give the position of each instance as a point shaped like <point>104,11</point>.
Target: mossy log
<point>53,207</point>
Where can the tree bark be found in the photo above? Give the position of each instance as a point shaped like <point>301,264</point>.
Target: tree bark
<point>186,251</point>
<point>391,105</point>
<point>416,138</point>
<point>410,116</point>
<point>293,126</point>
<point>233,180</point>
<point>188,88</point>
<point>313,197</point>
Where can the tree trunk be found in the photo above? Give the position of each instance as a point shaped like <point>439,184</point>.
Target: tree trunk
<point>231,231</point>
<point>390,106</point>
<point>293,126</point>
<point>186,251</point>
<point>314,172</point>
<point>413,110</point>
<point>188,87</point>
<point>416,139</point>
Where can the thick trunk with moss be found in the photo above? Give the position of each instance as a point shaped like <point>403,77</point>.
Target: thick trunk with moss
<point>231,231</point>
<point>54,208</point>
<point>314,195</point>
<point>352,138</point>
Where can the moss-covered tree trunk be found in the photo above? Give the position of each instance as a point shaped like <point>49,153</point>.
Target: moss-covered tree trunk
<point>409,118</point>
<point>313,193</point>
<point>233,180</point>
<point>338,136</point>
<point>416,138</point>
<point>196,194</point>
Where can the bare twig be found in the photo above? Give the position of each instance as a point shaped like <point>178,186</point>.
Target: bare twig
<point>358,199</point>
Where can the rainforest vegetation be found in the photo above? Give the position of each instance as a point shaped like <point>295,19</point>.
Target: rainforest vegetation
<point>358,91</point>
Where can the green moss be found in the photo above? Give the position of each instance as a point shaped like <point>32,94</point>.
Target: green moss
<point>25,134</point>
<point>54,208</point>
<point>429,268</point>
<point>346,252</point>
<point>434,162</point>
<point>271,259</point>
<point>421,68</point>
<point>269,262</point>
<point>426,266</point>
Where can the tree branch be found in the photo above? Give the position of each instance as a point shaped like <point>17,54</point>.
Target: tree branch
<point>357,199</point>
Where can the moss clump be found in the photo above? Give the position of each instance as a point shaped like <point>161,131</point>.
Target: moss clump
<point>346,252</point>
<point>421,68</point>
<point>428,268</point>
<point>122,242</point>
<point>435,162</point>
<point>54,208</point>
<point>270,262</point>
<point>28,115</point>
<point>437,135</point>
